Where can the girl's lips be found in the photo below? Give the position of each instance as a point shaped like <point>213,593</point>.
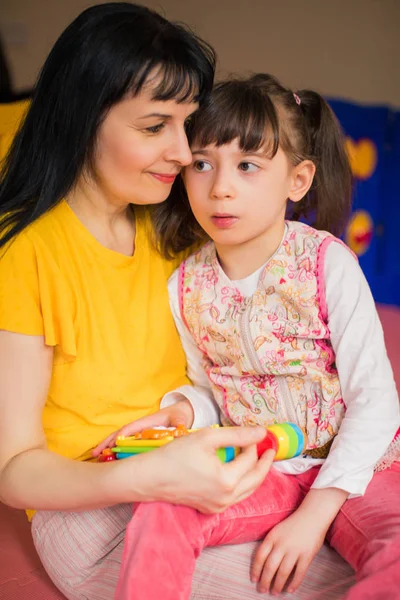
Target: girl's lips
<point>224,221</point>
<point>164,178</point>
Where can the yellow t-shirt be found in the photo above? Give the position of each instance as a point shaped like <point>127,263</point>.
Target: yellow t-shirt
<point>116,350</point>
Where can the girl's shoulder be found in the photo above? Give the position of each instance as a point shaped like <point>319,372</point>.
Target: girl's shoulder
<point>202,255</point>
<point>305,230</point>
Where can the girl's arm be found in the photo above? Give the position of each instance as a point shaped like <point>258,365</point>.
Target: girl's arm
<point>370,422</point>
<point>200,395</point>
<point>366,378</point>
<point>190,405</point>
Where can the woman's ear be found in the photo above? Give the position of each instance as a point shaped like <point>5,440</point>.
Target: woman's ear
<point>303,175</point>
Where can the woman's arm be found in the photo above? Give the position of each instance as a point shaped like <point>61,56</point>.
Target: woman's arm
<point>30,475</point>
<point>186,471</point>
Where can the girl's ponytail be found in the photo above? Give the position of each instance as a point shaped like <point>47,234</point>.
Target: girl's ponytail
<point>329,199</point>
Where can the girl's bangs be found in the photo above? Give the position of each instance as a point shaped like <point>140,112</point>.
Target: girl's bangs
<point>236,113</point>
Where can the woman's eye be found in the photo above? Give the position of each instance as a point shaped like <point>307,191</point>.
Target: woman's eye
<point>155,128</point>
<point>188,122</point>
<point>201,166</point>
<point>248,167</point>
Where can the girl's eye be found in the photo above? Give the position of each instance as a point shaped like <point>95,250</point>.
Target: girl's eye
<point>201,166</point>
<point>248,167</point>
<point>155,128</point>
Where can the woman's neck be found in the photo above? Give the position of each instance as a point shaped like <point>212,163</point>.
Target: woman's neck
<point>112,224</point>
<point>241,260</point>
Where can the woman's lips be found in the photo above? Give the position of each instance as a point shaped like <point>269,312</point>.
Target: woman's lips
<point>164,178</point>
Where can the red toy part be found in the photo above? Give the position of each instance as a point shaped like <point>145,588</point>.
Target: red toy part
<point>107,455</point>
<point>270,442</point>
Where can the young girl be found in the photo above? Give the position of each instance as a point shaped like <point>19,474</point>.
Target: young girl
<point>282,321</point>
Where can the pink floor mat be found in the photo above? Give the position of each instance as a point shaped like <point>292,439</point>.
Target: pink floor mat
<point>21,575</point>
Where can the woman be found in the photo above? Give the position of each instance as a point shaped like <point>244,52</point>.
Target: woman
<point>87,342</point>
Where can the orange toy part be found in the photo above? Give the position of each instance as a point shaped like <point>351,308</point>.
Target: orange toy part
<point>180,430</point>
<point>159,434</point>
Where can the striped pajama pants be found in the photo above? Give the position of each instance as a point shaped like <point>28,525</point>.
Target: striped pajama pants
<point>82,552</point>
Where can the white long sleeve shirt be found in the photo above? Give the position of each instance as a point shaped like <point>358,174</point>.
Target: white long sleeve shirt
<point>368,389</point>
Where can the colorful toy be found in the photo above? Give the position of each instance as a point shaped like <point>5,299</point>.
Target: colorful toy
<point>287,439</point>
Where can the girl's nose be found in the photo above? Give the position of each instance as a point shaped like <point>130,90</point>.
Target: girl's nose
<point>222,188</point>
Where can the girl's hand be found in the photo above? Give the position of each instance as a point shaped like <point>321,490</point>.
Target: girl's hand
<point>286,553</point>
<point>290,546</point>
<point>180,413</point>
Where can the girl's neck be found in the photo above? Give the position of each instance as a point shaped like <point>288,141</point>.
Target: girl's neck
<point>241,260</point>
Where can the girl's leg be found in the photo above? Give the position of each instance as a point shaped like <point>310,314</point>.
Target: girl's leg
<point>367,534</point>
<point>163,541</point>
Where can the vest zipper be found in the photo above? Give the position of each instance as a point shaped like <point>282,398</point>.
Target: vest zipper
<point>286,407</point>
<point>246,336</point>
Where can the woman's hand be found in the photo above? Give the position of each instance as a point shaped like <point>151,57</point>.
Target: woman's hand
<point>187,471</point>
<point>180,413</point>
<point>289,548</point>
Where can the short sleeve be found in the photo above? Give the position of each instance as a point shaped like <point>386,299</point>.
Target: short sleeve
<point>34,299</point>
<point>20,310</point>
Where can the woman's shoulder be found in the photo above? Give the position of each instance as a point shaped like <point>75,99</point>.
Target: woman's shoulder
<point>37,234</point>
<point>30,259</point>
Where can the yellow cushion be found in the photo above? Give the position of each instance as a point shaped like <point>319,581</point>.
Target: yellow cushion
<point>10,118</point>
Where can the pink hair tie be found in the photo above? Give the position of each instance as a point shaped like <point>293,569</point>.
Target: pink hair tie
<point>298,101</point>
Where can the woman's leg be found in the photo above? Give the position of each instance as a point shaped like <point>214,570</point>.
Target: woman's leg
<point>367,534</point>
<point>163,541</point>
<point>82,551</point>
<point>223,573</point>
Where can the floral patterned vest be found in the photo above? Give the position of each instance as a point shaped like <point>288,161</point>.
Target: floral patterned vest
<point>268,356</point>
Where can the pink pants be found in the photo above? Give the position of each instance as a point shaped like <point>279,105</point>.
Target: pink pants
<point>163,540</point>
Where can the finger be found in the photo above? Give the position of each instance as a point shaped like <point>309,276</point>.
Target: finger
<point>253,477</point>
<point>181,413</point>
<point>261,555</point>
<point>270,568</point>
<point>178,419</point>
<point>244,461</point>
<point>232,436</point>
<point>175,422</point>
<point>301,569</point>
<point>103,445</point>
<point>285,570</point>
<point>158,419</point>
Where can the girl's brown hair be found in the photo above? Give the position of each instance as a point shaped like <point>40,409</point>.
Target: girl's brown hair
<point>261,113</point>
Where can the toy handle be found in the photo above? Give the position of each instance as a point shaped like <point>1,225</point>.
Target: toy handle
<point>287,439</point>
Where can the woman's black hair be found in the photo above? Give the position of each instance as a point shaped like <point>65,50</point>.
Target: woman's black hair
<point>107,52</point>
